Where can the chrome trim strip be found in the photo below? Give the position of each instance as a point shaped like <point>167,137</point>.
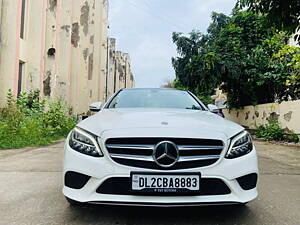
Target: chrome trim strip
<point>133,157</point>
<point>129,146</point>
<point>151,147</point>
<point>150,158</point>
<point>196,158</point>
<point>198,147</point>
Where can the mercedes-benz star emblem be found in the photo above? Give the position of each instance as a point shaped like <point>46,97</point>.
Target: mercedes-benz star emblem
<point>166,154</point>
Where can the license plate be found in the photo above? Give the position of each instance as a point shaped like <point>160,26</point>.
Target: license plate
<point>165,183</point>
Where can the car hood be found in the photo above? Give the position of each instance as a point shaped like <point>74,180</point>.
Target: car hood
<point>203,123</point>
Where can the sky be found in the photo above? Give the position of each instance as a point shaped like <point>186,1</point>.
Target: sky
<point>143,28</point>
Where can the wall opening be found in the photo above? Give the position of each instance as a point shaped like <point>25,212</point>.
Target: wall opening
<point>51,52</point>
<point>52,5</point>
<point>23,18</point>
<point>90,66</point>
<point>20,77</point>
<point>47,83</point>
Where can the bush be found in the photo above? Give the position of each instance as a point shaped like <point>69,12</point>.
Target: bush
<point>26,122</point>
<point>274,132</point>
<point>55,121</point>
<point>291,138</point>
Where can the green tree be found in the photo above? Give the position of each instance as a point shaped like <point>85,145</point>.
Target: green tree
<point>241,54</point>
<point>246,46</point>
<point>195,66</point>
<point>287,63</point>
<point>283,14</point>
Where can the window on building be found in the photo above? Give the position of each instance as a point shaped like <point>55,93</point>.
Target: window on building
<point>90,67</point>
<point>20,77</point>
<point>23,18</point>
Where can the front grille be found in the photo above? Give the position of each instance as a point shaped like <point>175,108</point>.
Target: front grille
<point>137,152</point>
<point>122,186</point>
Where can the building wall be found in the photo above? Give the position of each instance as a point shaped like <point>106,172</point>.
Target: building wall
<point>64,50</point>
<point>10,46</point>
<point>78,31</point>
<point>111,76</point>
<point>129,79</point>
<point>119,69</point>
<point>104,49</point>
<point>287,113</point>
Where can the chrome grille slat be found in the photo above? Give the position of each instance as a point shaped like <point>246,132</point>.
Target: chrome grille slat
<point>137,152</point>
<point>196,158</point>
<point>125,146</point>
<point>180,147</point>
<point>198,147</point>
<point>132,157</point>
<point>150,158</point>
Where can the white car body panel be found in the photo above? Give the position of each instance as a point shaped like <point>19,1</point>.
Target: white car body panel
<point>171,123</point>
<point>204,122</point>
<point>226,169</point>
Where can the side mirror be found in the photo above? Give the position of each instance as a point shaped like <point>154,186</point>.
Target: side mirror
<point>216,110</point>
<point>95,107</point>
<point>213,108</point>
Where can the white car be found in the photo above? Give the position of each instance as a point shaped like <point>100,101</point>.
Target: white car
<point>158,147</point>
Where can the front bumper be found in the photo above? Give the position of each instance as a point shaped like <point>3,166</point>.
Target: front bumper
<point>101,169</point>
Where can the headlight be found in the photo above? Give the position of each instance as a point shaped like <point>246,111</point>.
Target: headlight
<point>240,145</point>
<point>85,143</point>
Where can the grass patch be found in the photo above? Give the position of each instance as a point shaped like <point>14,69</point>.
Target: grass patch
<point>29,121</point>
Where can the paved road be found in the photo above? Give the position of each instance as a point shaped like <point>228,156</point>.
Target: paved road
<point>30,193</point>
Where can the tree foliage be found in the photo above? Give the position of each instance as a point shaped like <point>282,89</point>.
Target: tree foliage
<point>283,14</point>
<point>243,55</point>
<point>195,67</point>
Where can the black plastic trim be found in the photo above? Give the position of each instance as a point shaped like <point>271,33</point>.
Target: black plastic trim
<point>155,204</point>
<point>75,180</point>
<point>122,186</point>
<point>177,166</point>
<point>248,182</point>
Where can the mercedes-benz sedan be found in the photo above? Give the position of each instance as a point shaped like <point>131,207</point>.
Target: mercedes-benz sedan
<point>158,147</point>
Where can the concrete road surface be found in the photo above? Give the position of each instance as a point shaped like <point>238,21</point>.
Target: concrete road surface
<point>31,182</point>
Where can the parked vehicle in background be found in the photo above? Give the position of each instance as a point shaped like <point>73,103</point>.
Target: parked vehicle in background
<point>158,147</point>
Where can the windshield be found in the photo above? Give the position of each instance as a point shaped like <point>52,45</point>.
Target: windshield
<point>154,98</point>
